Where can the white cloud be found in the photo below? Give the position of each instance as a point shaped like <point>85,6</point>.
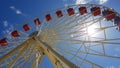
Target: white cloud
<point>102,1</point>
<point>5,23</point>
<point>82,1</point>
<point>12,7</point>
<point>88,1</point>
<point>17,11</point>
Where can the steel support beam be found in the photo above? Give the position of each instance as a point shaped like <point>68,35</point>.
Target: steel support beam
<point>54,56</point>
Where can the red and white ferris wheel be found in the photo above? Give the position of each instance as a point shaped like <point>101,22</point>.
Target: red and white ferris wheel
<point>71,37</point>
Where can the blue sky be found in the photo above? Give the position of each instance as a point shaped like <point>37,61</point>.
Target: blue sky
<point>16,12</point>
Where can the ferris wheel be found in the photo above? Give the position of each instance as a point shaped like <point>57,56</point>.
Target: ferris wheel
<point>76,36</point>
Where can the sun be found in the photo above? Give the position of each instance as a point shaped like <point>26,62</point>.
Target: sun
<point>91,30</point>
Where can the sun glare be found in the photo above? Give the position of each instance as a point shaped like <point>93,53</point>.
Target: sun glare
<point>91,30</point>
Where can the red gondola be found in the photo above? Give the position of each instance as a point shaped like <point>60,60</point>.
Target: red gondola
<point>96,11</point>
<point>70,11</point>
<point>48,17</point>
<point>26,27</point>
<point>109,15</point>
<point>3,42</point>
<point>37,22</point>
<point>15,34</point>
<point>82,10</point>
<point>59,13</point>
